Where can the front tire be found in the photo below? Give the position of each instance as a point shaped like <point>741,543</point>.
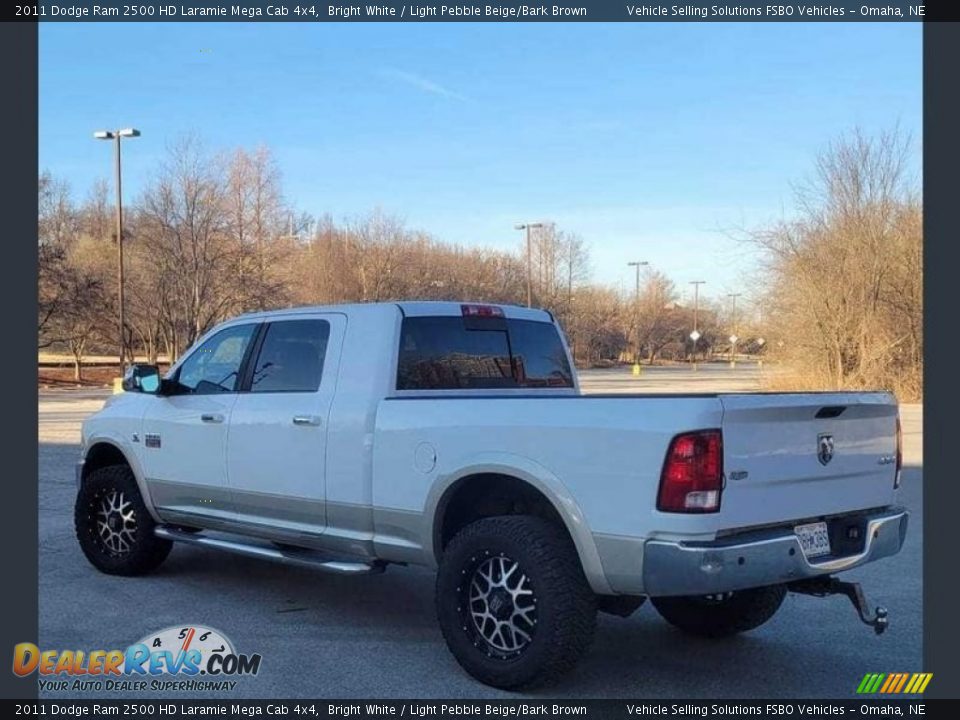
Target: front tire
<point>723,614</point>
<point>113,525</point>
<point>514,606</point>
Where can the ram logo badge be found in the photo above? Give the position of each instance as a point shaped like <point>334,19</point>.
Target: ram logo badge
<point>824,448</point>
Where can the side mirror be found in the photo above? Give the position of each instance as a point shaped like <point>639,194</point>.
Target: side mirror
<point>142,378</point>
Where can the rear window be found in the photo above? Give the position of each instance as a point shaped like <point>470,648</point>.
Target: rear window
<point>453,353</point>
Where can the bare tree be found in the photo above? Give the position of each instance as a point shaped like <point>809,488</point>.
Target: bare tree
<point>846,274</point>
<point>185,233</point>
<point>659,317</point>
<point>257,222</point>
<point>78,323</point>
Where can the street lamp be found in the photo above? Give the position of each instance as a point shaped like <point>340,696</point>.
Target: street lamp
<point>637,264</point>
<point>733,335</point>
<point>527,227</point>
<point>695,335</point>
<point>115,135</point>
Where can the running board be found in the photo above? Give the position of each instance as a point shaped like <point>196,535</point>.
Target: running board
<point>288,555</point>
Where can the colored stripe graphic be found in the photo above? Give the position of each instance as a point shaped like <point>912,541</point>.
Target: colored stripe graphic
<point>898,682</point>
<point>893,683</point>
<point>922,681</point>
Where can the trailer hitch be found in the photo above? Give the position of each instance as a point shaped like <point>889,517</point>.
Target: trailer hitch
<point>829,585</point>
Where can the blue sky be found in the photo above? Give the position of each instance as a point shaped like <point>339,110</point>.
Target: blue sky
<point>651,140</point>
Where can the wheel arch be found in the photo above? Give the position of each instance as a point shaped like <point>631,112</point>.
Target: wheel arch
<point>105,451</point>
<point>533,483</point>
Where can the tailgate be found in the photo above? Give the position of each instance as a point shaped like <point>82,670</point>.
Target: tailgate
<point>798,456</point>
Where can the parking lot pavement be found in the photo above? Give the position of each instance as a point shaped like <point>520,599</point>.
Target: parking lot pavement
<point>707,378</point>
<point>376,636</point>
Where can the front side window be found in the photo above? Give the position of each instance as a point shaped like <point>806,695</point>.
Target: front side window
<point>291,357</point>
<point>448,353</point>
<point>214,367</point>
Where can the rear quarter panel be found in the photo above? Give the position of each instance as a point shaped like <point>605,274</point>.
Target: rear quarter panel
<point>597,458</point>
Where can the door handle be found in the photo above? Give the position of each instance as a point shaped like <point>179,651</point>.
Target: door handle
<point>212,418</point>
<point>306,420</point>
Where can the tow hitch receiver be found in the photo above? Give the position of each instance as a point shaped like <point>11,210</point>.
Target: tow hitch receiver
<point>829,585</point>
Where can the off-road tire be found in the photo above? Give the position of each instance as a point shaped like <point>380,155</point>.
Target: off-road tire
<point>565,606</point>
<point>139,551</point>
<point>722,615</point>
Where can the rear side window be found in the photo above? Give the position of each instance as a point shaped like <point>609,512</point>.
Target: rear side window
<point>539,357</point>
<point>452,353</point>
<point>291,357</point>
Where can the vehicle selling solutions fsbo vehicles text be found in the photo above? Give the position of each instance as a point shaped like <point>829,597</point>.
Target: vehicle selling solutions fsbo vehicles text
<point>640,12</point>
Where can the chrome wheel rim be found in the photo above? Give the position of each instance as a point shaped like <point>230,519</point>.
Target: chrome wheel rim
<point>502,605</point>
<point>117,523</point>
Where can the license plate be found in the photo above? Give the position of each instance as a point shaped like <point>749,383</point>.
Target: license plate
<point>814,539</point>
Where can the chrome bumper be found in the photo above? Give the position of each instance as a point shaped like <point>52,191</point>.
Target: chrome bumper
<point>775,556</point>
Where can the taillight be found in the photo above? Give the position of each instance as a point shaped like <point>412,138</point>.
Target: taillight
<point>692,475</point>
<point>896,477</point>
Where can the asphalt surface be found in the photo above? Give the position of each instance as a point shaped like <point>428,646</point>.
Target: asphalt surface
<point>325,636</point>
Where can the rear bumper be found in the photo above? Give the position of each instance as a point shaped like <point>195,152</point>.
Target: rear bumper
<point>768,557</point>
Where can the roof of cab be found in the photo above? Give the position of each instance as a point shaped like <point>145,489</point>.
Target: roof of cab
<point>413,308</point>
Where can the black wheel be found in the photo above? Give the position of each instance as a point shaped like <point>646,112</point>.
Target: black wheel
<point>113,527</point>
<point>723,614</point>
<point>512,600</point>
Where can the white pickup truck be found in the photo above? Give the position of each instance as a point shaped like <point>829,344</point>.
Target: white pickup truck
<point>455,436</point>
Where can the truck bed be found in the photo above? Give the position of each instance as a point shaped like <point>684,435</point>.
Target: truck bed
<point>606,452</point>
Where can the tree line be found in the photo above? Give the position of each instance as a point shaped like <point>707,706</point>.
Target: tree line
<point>212,236</point>
<point>844,295</point>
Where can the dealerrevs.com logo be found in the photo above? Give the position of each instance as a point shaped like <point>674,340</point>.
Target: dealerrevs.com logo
<point>178,658</point>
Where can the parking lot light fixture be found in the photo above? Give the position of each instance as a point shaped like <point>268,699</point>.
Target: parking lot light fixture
<point>527,227</point>
<point>116,135</point>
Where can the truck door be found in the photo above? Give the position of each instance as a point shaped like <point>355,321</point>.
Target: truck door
<point>184,433</point>
<point>276,446</point>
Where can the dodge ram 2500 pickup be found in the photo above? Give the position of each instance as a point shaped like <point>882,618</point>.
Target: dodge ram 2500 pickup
<point>348,438</point>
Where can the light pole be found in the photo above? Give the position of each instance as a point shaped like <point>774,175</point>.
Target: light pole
<point>115,135</point>
<point>695,335</point>
<point>637,264</point>
<point>527,227</point>
<point>733,335</point>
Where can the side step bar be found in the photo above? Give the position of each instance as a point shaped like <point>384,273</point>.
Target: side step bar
<point>288,555</point>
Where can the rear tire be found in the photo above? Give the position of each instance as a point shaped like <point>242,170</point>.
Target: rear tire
<point>723,614</point>
<point>113,525</point>
<point>512,601</point>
